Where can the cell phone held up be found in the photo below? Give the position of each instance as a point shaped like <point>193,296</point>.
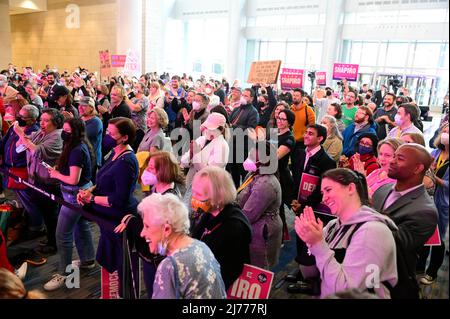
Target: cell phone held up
<point>46,165</point>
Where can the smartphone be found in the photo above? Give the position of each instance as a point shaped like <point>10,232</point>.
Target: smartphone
<point>46,165</point>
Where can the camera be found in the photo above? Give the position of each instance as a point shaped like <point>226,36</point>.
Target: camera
<point>340,83</point>
<point>312,75</point>
<point>396,82</point>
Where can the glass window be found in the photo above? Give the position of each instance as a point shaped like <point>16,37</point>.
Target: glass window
<point>276,51</point>
<point>426,55</point>
<point>397,54</point>
<point>295,54</point>
<point>382,53</point>
<point>313,55</point>
<point>369,53</point>
<point>265,21</point>
<point>355,53</point>
<point>302,19</point>
<point>263,50</point>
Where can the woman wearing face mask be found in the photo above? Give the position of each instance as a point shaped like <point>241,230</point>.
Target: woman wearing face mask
<point>365,158</point>
<point>138,106</point>
<point>260,199</point>
<point>210,149</point>
<point>222,226</point>
<point>379,177</point>
<point>163,176</point>
<point>359,237</point>
<point>214,100</point>
<point>112,196</point>
<point>74,171</point>
<point>440,171</point>
<point>190,270</point>
<point>198,113</point>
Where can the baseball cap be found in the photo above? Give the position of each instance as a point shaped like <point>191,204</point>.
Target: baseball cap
<point>87,100</point>
<point>214,121</point>
<point>237,88</point>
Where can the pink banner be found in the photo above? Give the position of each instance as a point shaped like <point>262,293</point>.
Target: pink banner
<point>253,283</point>
<point>347,71</point>
<point>321,78</point>
<point>118,61</point>
<point>291,79</point>
<point>110,285</point>
<point>435,239</point>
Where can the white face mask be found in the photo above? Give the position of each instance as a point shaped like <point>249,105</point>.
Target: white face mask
<point>210,134</point>
<point>243,101</point>
<point>149,179</point>
<point>208,91</point>
<point>250,166</point>
<point>398,120</point>
<point>196,106</point>
<point>444,139</point>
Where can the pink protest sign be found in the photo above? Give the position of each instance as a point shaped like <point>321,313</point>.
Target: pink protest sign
<point>321,78</point>
<point>118,61</point>
<point>291,79</point>
<point>435,239</point>
<point>347,71</point>
<point>253,283</point>
<point>110,285</point>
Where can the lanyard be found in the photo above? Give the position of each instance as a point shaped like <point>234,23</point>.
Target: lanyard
<point>440,162</point>
<point>245,184</point>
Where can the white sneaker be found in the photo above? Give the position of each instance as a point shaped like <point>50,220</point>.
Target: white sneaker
<point>55,283</point>
<point>83,265</point>
<point>21,272</point>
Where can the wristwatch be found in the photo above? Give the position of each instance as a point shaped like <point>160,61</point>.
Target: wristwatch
<point>92,200</point>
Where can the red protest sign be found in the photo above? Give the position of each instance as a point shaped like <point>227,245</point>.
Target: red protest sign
<point>109,285</point>
<point>291,79</point>
<point>308,185</point>
<point>253,283</point>
<point>435,239</point>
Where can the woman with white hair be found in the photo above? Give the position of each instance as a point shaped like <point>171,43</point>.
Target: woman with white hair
<point>190,270</point>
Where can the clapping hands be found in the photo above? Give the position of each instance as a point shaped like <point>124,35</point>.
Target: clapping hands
<point>308,228</point>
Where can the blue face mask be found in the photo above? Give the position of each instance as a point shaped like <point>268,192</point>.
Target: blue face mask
<point>109,142</point>
<point>363,150</point>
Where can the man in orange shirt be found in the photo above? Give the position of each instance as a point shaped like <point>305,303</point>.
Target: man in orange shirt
<point>304,115</point>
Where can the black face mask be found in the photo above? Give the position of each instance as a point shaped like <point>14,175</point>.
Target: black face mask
<point>329,93</point>
<point>22,122</point>
<point>261,105</point>
<point>66,136</point>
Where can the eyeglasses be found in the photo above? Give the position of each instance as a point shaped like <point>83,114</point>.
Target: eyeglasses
<point>281,119</point>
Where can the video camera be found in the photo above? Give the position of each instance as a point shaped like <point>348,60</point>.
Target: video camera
<point>396,82</point>
<point>312,75</point>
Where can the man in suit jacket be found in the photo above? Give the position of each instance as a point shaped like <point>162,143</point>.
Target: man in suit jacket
<point>313,162</point>
<point>408,204</point>
<point>379,95</point>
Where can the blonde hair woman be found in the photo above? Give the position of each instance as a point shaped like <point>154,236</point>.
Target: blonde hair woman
<point>222,225</point>
<point>155,140</point>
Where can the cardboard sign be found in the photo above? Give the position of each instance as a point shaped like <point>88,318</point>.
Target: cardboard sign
<point>105,63</point>
<point>308,185</point>
<point>291,79</point>
<point>345,71</point>
<point>110,285</point>
<point>118,61</point>
<point>264,72</point>
<point>132,64</point>
<point>435,239</point>
<point>321,78</point>
<point>253,283</point>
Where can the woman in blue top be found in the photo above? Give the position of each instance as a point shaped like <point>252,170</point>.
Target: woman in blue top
<point>74,171</point>
<point>112,197</point>
<point>94,130</point>
<point>440,172</point>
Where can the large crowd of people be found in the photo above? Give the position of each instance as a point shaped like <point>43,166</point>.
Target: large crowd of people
<point>220,167</point>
